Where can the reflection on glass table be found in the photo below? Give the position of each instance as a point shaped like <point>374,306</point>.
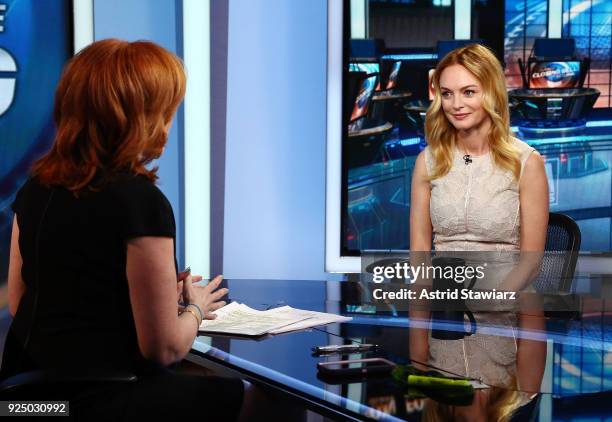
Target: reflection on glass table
<point>529,365</point>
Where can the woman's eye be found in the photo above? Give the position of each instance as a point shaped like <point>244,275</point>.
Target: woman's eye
<point>446,94</point>
<point>469,93</point>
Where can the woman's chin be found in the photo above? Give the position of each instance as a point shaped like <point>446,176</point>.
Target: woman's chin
<point>462,125</point>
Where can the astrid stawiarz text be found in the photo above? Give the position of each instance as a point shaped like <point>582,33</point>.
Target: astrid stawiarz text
<point>403,294</point>
<point>458,274</point>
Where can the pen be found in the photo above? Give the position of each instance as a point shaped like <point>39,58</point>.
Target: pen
<point>186,271</point>
<point>344,348</point>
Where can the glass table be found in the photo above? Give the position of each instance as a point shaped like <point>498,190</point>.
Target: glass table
<point>555,368</point>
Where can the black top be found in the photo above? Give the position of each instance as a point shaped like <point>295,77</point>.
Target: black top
<point>76,308</point>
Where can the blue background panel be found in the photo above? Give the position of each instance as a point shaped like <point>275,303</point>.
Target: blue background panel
<point>37,36</point>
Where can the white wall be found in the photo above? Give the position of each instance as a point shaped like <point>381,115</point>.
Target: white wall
<point>153,20</point>
<point>274,215</point>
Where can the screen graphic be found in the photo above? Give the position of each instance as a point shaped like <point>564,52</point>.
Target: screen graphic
<point>377,163</point>
<point>363,98</point>
<point>392,80</point>
<point>368,68</point>
<point>555,74</point>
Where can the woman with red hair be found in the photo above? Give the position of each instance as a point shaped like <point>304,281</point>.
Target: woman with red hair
<point>93,280</point>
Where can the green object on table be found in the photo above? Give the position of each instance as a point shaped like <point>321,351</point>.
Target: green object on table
<point>433,384</point>
<point>401,372</point>
<point>447,383</point>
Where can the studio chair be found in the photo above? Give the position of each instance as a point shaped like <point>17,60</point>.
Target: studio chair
<point>553,93</point>
<point>528,412</point>
<point>368,48</point>
<point>443,47</point>
<point>59,384</point>
<point>559,262</point>
<point>550,50</point>
<point>561,254</point>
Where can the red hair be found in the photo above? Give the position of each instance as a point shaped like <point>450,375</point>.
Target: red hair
<point>113,105</point>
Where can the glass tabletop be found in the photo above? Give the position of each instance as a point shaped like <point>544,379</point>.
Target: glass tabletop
<point>516,362</point>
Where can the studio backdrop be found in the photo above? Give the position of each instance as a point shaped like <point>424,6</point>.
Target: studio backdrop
<point>35,41</point>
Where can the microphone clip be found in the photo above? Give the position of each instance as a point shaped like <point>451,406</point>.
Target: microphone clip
<point>467,159</point>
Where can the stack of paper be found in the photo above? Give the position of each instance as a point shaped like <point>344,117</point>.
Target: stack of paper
<point>239,319</point>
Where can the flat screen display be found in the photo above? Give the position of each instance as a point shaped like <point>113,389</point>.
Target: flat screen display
<point>368,68</point>
<point>558,74</point>
<point>393,75</point>
<point>371,175</point>
<point>362,102</point>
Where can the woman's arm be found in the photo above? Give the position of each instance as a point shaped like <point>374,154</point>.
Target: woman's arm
<point>163,335</point>
<point>534,199</point>
<point>531,354</point>
<point>420,248</point>
<point>16,286</point>
<point>420,221</point>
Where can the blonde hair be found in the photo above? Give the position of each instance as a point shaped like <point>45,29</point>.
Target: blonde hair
<point>441,135</point>
<point>501,404</point>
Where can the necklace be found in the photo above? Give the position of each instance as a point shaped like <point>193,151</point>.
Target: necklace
<point>465,150</point>
<point>467,156</point>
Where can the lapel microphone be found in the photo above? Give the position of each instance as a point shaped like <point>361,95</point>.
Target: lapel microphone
<point>467,159</point>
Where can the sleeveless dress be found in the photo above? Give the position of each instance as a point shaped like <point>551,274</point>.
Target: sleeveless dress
<point>475,207</point>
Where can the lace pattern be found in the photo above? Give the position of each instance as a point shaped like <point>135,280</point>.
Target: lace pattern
<point>475,207</point>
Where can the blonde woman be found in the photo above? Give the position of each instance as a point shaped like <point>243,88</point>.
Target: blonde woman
<point>477,188</point>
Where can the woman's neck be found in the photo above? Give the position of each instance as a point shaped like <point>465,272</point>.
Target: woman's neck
<point>474,141</point>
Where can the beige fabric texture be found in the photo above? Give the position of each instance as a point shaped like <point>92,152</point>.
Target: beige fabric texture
<point>475,207</point>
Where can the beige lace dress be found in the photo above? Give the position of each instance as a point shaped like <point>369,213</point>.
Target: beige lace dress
<point>475,207</point>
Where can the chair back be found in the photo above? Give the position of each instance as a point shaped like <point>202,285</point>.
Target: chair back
<point>554,47</point>
<point>60,384</point>
<point>561,254</point>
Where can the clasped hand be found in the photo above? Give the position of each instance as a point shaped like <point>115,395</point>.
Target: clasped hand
<point>206,297</point>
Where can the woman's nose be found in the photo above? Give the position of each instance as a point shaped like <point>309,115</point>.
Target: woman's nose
<point>457,102</point>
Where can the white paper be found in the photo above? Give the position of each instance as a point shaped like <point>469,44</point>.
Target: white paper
<point>239,319</point>
<point>316,318</point>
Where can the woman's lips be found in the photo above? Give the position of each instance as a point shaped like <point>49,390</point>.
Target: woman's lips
<point>461,116</point>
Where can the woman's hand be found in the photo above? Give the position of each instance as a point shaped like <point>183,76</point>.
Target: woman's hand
<point>206,297</point>
<point>179,285</point>
<point>164,336</point>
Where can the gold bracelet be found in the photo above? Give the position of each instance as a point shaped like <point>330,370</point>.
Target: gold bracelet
<point>194,314</point>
